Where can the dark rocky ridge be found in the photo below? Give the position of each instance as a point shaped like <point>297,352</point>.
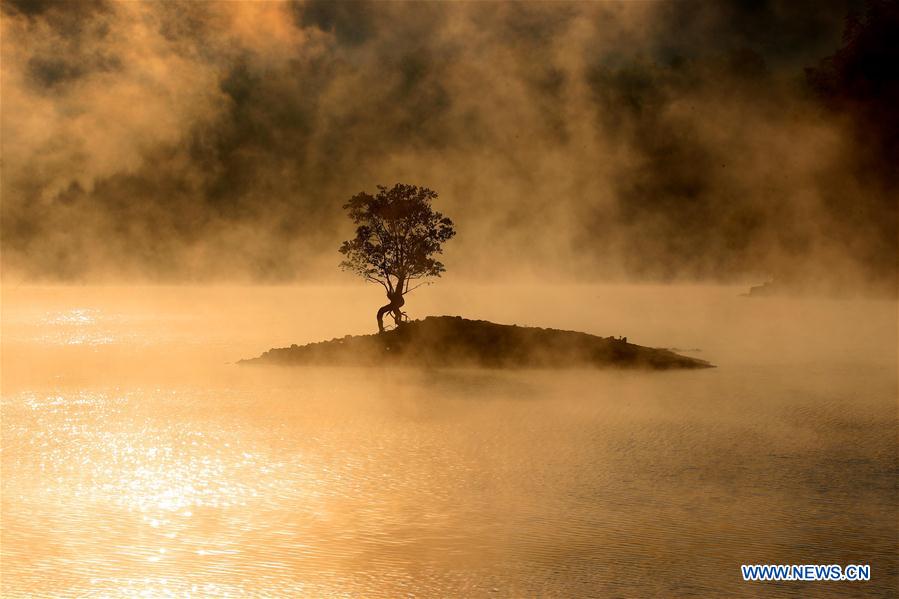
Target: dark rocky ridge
<point>452,341</point>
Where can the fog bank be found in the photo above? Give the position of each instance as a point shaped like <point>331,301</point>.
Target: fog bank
<point>650,141</point>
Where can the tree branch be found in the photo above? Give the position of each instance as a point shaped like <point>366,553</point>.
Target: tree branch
<point>376,280</point>
<point>417,286</point>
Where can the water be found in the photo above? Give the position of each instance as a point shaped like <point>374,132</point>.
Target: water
<point>138,461</point>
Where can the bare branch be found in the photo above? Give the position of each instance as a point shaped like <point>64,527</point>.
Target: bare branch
<point>376,280</point>
<point>417,286</point>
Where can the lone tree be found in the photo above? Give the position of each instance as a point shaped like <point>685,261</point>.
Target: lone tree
<point>397,236</point>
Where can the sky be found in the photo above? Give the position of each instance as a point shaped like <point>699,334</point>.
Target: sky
<point>586,141</point>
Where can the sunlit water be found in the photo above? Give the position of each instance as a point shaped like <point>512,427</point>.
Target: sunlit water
<point>137,460</point>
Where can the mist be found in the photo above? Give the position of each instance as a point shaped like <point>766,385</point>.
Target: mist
<point>123,405</point>
<point>683,141</point>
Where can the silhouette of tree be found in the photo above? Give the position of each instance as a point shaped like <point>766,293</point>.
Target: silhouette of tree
<point>398,234</point>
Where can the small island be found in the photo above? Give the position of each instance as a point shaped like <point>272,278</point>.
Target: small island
<point>455,342</point>
<point>396,244</point>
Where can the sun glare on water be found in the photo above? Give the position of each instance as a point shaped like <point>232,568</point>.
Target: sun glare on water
<point>79,326</point>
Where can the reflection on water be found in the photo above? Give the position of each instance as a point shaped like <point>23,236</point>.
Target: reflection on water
<point>149,470</point>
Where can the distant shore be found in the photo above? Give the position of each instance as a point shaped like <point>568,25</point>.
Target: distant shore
<point>779,288</point>
<point>452,341</point>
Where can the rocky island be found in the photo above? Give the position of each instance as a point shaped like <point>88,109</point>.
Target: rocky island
<point>452,341</point>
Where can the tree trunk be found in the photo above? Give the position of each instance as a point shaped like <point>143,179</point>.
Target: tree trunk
<point>381,312</point>
<point>396,302</point>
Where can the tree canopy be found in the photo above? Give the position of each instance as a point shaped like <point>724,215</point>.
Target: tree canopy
<point>398,236</point>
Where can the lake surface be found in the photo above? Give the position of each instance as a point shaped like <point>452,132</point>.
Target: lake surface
<point>139,461</point>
